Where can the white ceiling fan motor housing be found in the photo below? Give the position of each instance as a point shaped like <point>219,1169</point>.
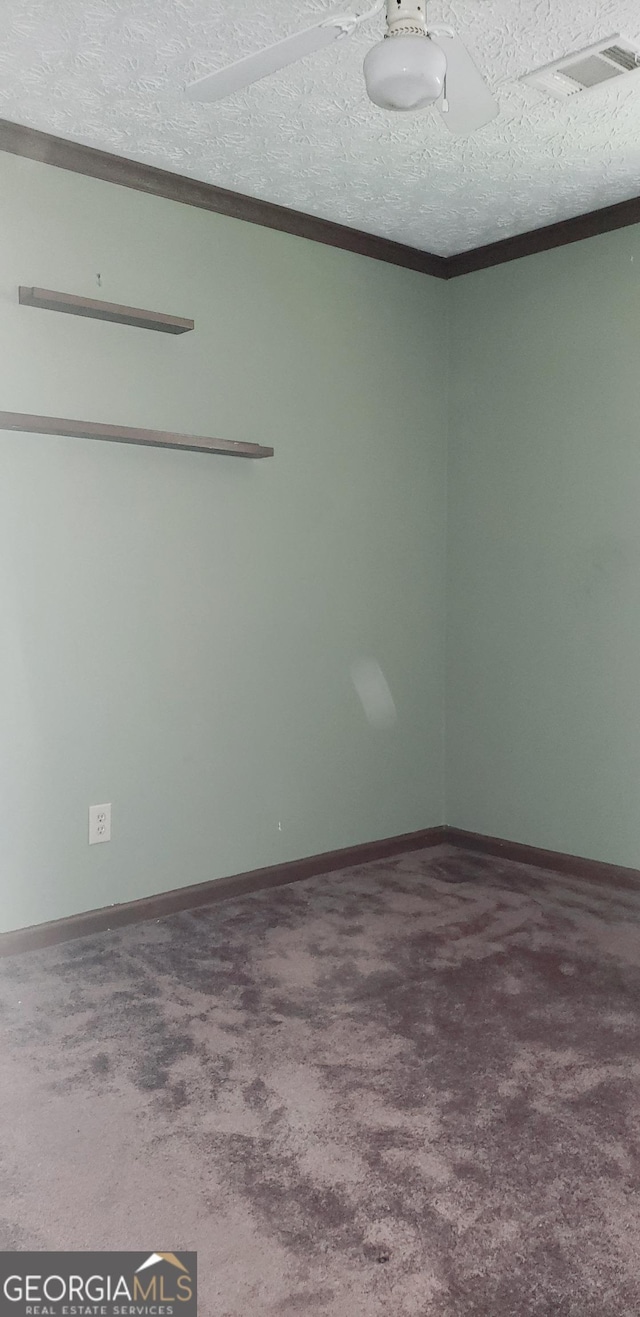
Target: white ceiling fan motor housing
<point>405,71</point>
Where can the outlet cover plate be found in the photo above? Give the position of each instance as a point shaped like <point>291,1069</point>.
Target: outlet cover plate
<point>99,824</point>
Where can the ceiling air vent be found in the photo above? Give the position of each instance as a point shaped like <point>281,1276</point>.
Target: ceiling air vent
<point>613,58</point>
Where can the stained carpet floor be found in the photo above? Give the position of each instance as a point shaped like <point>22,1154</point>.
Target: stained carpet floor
<point>411,1089</point>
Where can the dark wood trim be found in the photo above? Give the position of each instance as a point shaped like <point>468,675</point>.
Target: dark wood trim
<point>48,300</point>
<point>79,159</point>
<point>210,893</point>
<point>63,154</point>
<point>574,866</point>
<point>620,216</point>
<point>159,906</point>
<point>121,434</point>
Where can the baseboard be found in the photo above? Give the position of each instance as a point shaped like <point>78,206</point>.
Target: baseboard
<point>278,875</point>
<point>574,865</point>
<point>219,889</point>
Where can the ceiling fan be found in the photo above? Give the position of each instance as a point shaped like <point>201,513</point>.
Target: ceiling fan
<point>413,67</point>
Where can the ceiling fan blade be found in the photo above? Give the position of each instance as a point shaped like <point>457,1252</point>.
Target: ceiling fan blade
<point>471,103</point>
<point>252,68</point>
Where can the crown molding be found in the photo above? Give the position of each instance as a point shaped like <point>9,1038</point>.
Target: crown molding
<point>79,159</point>
<point>589,225</point>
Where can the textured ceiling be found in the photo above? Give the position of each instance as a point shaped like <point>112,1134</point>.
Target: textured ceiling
<point>110,73</point>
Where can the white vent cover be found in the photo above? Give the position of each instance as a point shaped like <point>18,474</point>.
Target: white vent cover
<point>613,58</point>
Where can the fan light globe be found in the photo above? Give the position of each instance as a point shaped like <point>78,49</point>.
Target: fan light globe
<point>405,72</point>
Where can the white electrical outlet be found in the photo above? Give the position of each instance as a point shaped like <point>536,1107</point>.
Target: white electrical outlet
<point>99,823</point>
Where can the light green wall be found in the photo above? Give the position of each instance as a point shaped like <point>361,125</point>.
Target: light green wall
<point>543,633</point>
<point>177,629</point>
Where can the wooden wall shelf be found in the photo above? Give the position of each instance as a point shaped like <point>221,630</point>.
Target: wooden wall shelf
<point>120,434</point>
<point>48,300</point>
